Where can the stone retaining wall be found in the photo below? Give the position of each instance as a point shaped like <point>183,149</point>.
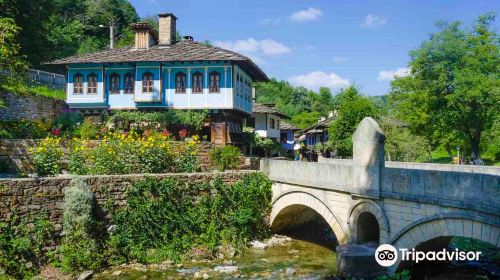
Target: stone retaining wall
<point>21,197</point>
<point>29,107</point>
<point>16,154</point>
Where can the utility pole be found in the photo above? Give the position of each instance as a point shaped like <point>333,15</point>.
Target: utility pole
<point>111,34</point>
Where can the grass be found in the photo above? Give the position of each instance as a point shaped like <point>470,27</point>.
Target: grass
<point>36,90</point>
<point>439,155</point>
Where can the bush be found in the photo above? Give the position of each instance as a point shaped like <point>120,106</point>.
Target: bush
<point>87,130</point>
<point>24,129</point>
<point>22,244</point>
<point>79,249</point>
<point>78,205</point>
<point>126,153</point>
<point>47,156</point>
<point>164,219</point>
<point>67,121</point>
<point>227,157</point>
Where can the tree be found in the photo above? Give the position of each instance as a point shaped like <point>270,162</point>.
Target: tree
<point>12,64</point>
<point>305,119</point>
<point>322,102</point>
<point>453,91</point>
<point>352,108</point>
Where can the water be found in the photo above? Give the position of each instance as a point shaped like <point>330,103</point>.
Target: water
<point>302,259</point>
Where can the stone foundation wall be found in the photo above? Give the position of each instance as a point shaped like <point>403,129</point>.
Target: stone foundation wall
<point>29,107</point>
<point>21,197</point>
<point>16,154</point>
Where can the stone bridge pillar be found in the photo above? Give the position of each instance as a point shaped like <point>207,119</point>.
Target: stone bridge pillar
<point>368,158</point>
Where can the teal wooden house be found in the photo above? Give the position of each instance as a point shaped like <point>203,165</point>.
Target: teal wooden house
<point>161,73</point>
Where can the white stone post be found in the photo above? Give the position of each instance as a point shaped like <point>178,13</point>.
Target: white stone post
<point>368,158</point>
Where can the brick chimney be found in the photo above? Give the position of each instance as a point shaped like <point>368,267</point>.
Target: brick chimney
<point>145,35</point>
<point>167,29</point>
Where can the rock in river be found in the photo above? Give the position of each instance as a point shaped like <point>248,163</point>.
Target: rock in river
<point>229,269</point>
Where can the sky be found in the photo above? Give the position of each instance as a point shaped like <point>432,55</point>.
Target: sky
<point>315,43</point>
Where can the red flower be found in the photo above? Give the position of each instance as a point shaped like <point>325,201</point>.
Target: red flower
<point>166,133</point>
<point>55,131</point>
<point>103,129</point>
<point>183,133</point>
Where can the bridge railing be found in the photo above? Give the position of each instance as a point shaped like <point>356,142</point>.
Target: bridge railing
<point>327,176</point>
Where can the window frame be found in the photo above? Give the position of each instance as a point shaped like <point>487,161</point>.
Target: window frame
<point>178,89</point>
<point>272,124</point>
<point>148,85</point>
<point>112,83</point>
<point>214,82</point>
<point>91,77</point>
<point>126,88</point>
<point>78,87</point>
<point>199,80</point>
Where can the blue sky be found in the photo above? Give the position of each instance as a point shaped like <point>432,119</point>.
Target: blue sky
<point>320,42</point>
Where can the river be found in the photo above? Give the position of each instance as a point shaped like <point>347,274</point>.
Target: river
<point>300,259</point>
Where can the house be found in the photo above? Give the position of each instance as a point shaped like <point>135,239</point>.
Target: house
<point>317,133</point>
<point>161,73</point>
<point>266,120</point>
<point>287,137</point>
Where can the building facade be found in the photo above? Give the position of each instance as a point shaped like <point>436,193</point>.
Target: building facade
<point>160,73</point>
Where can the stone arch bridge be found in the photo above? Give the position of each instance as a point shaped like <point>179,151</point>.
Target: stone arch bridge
<point>404,204</point>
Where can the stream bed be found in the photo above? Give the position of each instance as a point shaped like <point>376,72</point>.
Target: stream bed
<point>295,258</point>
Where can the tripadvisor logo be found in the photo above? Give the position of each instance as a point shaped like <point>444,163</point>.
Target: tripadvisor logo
<point>387,255</point>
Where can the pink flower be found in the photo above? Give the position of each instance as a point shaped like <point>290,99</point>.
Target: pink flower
<point>166,133</point>
<point>55,131</point>
<point>183,133</point>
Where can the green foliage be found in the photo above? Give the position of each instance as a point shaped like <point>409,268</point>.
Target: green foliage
<point>79,249</point>
<point>401,144</point>
<point>128,153</point>
<point>306,119</point>
<point>403,275</point>
<point>68,121</point>
<point>53,29</point>
<point>78,205</point>
<point>352,108</point>
<point>87,130</point>
<point>454,89</point>
<point>22,244</point>
<point>22,129</point>
<point>22,87</point>
<point>12,64</point>
<point>193,119</point>
<point>165,219</point>
<point>227,157</point>
<point>302,105</point>
<point>78,253</point>
<point>47,157</point>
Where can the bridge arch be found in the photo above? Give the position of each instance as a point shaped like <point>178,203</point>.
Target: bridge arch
<point>441,228</point>
<point>292,199</point>
<point>360,215</point>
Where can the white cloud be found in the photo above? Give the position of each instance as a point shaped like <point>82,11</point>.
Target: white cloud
<point>251,46</point>
<point>339,59</point>
<point>388,75</point>
<point>270,21</point>
<point>310,14</point>
<point>315,80</point>
<point>373,21</point>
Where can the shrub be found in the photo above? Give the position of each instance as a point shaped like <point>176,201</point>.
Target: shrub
<point>125,153</point>
<point>78,205</point>
<point>47,156</point>
<point>22,243</point>
<point>68,120</point>
<point>227,157</point>
<point>87,130</point>
<point>166,218</point>
<point>24,129</point>
<point>79,249</point>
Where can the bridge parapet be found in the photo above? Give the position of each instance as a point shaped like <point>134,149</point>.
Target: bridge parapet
<point>325,176</point>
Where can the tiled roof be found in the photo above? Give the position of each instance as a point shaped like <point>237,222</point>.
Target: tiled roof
<point>319,126</point>
<point>266,109</point>
<point>179,52</point>
<point>284,125</point>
